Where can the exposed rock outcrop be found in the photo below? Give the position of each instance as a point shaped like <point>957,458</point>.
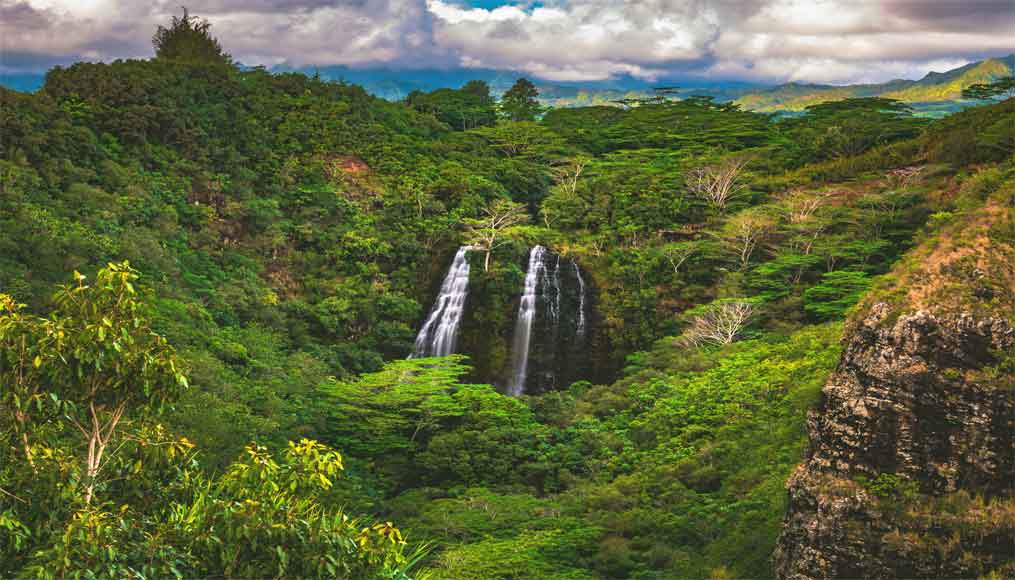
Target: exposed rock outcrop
<point>911,467</point>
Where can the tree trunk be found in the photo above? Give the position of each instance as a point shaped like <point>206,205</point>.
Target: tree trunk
<point>98,439</point>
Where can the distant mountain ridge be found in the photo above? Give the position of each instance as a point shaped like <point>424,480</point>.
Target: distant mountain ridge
<point>934,87</point>
<point>393,84</point>
<point>934,93</point>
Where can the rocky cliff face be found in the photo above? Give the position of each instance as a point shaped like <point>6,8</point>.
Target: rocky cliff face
<point>911,468</point>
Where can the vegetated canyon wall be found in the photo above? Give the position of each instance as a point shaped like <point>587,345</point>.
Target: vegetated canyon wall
<point>911,467</point>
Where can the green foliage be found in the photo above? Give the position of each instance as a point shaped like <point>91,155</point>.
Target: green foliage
<point>291,232</point>
<point>467,108</point>
<point>674,471</point>
<point>424,422</point>
<point>841,129</point>
<point>519,102</point>
<point>187,40</point>
<point>94,360</point>
<point>1002,87</point>
<point>976,135</point>
<point>890,486</point>
<point>92,485</point>
<point>691,124</point>
<point>384,413</point>
<point>835,294</point>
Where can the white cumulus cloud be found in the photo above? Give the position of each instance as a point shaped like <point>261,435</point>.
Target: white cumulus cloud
<point>834,41</point>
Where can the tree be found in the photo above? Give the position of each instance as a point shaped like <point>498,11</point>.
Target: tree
<point>718,323</point>
<point>718,183</point>
<point>678,253</point>
<point>744,231</point>
<point>525,139</point>
<point>1000,137</point>
<point>96,358</point>
<point>463,109</point>
<point>188,40</point>
<point>838,291</point>
<point>477,88</point>
<point>485,233</point>
<point>800,206</point>
<point>88,380</point>
<point>394,410</point>
<point>566,175</point>
<point>519,102</point>
<point>904,176</point>
<point>1003,87</point>
<point>845,128</point>
<point>269,512</point>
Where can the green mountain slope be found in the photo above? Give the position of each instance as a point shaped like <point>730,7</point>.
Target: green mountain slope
<point>948,86</point>
<point>932,88</point>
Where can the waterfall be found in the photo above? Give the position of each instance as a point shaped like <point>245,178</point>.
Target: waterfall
<point>555,312</point>
<point>580,326</point>
<point>523,326</point>
<point>439,333</point>
<point>549,285</point>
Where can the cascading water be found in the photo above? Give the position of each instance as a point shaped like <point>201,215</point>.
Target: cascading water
<point>439,333</point>
<point>555,312</point>
<point>523,326</point>
<point>580,325</point>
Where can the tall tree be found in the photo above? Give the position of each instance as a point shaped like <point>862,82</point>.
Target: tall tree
<point>519,102</point>
<point>478,88</point>
<point>188,40</point>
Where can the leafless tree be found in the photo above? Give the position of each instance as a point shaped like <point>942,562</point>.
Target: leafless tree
<point>485,233</point>
<point>744,231</point>
<point>567,175</point>
<point>800,206</point>
<point>718,183</point>
<point>677,254</point>
<point>904,176</point>
<point>719,324</point>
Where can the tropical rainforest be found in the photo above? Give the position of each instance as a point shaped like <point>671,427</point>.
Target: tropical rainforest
<point>211,277</point>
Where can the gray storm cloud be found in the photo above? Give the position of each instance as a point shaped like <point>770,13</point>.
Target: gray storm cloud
<point>773,40</point>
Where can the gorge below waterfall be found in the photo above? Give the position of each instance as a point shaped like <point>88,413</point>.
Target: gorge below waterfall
<point>530,336</point>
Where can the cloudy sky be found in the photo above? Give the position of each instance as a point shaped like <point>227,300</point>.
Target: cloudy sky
<point>835,41</point>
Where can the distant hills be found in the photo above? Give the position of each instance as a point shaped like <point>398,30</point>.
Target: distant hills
<point>395,84</point>
<point>934,94</point>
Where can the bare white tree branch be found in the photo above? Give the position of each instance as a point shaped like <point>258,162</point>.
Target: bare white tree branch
<point>719,183</point>
<point>720,324</point>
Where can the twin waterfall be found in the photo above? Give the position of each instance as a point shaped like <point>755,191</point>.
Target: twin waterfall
<point>439,334</point>
<point>549,338</point>
<point>535,273</point>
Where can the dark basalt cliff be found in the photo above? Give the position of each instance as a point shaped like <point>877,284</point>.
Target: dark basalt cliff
<point>911,467</point>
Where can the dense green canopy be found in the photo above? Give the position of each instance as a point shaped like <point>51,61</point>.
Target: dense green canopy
<point>256,251</point>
